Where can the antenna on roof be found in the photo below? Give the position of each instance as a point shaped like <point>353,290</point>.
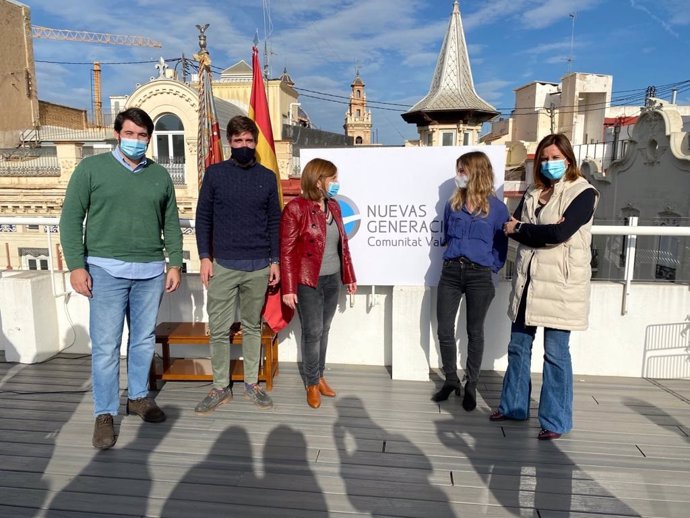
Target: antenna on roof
<point>268,31</point>
<point>572,42</point>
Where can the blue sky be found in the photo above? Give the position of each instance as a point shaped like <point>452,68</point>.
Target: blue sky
<point>395,44</point>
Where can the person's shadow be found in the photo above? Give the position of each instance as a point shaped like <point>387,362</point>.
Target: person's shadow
<point>92,491</point>
<point>667,422</point>
<point>229,461</point>
<point>227,477</point>
<point>383,473</point>
<point>520,471</point>
<point>286,465</point>
<point>428,330</point>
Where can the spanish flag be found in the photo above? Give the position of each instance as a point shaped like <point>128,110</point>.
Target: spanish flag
<point>259,113</point>
<point>276,314</point>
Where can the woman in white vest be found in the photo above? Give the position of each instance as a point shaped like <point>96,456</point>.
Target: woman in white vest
<point>552,225</point>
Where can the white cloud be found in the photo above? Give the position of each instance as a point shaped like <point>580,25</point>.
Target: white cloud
<point>654,13</point>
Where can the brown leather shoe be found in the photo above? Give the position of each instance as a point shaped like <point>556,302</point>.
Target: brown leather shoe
<point>103,432</point>
<point>313,396</point>
<point>146,408</point>
<point>325,388</point>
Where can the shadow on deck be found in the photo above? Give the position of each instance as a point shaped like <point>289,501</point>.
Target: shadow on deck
<point>380,448</point>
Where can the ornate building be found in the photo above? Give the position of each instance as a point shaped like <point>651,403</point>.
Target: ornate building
<point>452,113</point>
<point>358,118</point>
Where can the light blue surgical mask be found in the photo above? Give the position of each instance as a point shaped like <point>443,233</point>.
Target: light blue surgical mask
<point>553,169</point>
<point>333,189</point>
<point>133,149</point>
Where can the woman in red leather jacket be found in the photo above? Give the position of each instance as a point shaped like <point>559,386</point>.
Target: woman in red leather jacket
<point>314,261</point>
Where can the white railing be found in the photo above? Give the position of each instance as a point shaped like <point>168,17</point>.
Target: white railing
<point>631,230</point>
<point>652,338</point>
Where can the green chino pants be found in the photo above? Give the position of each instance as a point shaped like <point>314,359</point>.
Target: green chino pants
<point>224,289</point>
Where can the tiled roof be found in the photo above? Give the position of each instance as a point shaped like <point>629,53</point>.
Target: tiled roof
<point>452,87</point>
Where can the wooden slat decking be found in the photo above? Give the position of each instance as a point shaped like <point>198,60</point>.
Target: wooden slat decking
<point>380,448</point>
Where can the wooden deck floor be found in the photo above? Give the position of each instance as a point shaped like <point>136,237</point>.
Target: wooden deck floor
<point>381,448</point>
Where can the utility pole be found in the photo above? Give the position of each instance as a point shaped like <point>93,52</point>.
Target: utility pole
<point>552,115</point>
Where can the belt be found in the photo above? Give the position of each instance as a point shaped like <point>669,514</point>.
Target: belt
<point>470,264</point>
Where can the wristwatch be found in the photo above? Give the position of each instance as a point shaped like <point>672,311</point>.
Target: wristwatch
<point>517,227</point>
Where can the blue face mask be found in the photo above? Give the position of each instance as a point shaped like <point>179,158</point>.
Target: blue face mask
<point>553,169</point>
<point>333,189</point>
<point>133,149</point>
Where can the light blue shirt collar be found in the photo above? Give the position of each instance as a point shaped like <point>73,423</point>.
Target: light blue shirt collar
<point>121,158</point>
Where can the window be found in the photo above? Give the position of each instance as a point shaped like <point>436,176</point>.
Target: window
<point>169,144</point>
<point>358,140</point>
<point>34,258</point>
<point>668,250</point>
<point>448,139</point>
<point>466,139</point>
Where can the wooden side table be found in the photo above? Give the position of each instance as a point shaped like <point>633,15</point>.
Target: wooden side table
<point>199,369</point>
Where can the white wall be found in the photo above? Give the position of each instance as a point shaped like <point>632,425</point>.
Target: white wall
<point>396,326</point>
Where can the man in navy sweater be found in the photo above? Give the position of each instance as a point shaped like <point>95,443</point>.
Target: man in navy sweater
<point>237,233</point>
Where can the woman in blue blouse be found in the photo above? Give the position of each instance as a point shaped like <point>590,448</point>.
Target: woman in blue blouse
<point>475,247</point>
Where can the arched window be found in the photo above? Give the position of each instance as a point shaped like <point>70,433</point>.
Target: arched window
<point>358,140</point>
<point>169,146</point>
<point>358,94</point>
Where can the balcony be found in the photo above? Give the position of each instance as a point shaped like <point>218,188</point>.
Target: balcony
<point>29,162</point>
<point>381,447</point>
<point>175,166</point>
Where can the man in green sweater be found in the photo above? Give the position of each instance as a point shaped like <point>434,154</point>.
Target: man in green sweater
<point>116,260</point>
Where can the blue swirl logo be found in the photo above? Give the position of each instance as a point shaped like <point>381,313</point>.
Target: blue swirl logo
<point>351,216</point>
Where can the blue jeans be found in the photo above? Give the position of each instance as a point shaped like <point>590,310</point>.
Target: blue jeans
<point>556,398</point>
<point>114,299</point>
<point>316,308</point>
<point>475,283</point>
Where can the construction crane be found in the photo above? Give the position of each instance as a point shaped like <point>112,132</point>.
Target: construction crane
<point>93,37</point>
<point>105,38</point>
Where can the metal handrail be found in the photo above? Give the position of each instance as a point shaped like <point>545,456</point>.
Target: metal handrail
<point>598,230</point>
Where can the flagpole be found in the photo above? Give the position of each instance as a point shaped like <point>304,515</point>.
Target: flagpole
<point>209,146</point>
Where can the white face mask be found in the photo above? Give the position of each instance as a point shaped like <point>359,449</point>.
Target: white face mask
<point>461,181</point>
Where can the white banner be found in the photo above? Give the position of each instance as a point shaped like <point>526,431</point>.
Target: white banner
<point>392,201</point>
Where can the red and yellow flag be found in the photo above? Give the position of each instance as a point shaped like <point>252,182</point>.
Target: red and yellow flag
<point>259,113</point>
<point>276,314</point>
<point>210,148</point>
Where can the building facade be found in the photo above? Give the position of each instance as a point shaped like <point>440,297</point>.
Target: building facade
<point>18,86</point>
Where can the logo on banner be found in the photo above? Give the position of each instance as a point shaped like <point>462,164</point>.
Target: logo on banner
<point>351,216</point>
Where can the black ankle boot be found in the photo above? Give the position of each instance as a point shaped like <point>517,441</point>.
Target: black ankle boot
<point>446,391</point>
<point>469,402</point>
